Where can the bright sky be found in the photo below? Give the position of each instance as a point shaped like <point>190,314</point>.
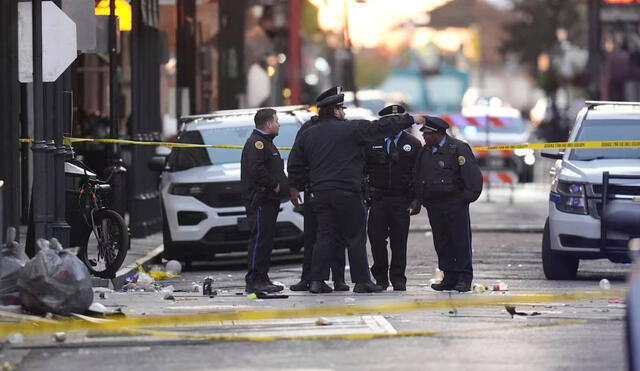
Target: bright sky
<point>373,22</point>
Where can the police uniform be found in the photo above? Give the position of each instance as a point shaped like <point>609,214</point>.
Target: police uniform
<point>447,180</point>
<point>389,165</point>
<point>331,154</point>
<point>311,229</point>
<point>262,169</point>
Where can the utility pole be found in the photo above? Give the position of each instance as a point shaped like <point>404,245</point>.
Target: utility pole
<point>116,169</point>
<point>39,147</point>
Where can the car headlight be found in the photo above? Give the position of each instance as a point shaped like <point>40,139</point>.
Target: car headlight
<point>186,189</point>
<point>568,197</point>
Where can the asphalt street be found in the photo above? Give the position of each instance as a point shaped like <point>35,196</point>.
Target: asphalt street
<point>581,335</point>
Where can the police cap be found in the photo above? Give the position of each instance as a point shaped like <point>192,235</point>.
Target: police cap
<point>330,97</point>
<point>393,109</point>
<point>433,123</point>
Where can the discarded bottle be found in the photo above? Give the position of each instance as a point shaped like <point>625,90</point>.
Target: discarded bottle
<point>173,267</point>
<point>500,286</point>
<point>605,284</point>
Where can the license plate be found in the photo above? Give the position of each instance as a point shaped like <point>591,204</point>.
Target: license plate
<point>243,225</point>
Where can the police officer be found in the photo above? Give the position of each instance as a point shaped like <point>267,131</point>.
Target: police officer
<point>264,184</point>
<point>389,165</point>
<point>447,180</point>
<point>332,153</point>
<point>311,226</point>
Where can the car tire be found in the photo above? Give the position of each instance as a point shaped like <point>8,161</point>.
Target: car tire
<point>169,252</point>
<point>556,266</point>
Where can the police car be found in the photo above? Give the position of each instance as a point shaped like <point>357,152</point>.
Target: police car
<point>203,211</point>
<point>585,179</point>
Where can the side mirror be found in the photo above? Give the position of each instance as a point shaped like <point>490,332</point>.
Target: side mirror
<point>553,155</point>
<point>157,163</point>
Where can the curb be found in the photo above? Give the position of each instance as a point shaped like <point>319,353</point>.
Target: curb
<point>117,282</point>
<point>490,229</point>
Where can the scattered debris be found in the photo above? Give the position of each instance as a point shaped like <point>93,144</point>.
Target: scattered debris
<point>55,281</point>
<point>15,338</point>
<point>207,288</point>
<point>6,367</point>
<point>479,288</point>
<point>605,284</point>
<point>102,295</point>
<point>252,296</point>
<point>511,309</point>
<point>12,259</point>
<point>161,275</point>
<point>173,267</point>
<point>169,297</point>
<point>500,286</point>
<point>438,276</point>
<point>264,295</point>
<point>184,298</point>
<point>60,337</point>
<point>349,300</point>
<point>323,322</point>
<point>168,289</point>
<point>103,289</point>
<point>196,288</point>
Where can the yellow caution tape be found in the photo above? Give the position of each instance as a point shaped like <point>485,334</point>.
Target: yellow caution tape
<point>566,145</point>
<point>215,337</point>
<point>175,320</point>
<point>535,146</point>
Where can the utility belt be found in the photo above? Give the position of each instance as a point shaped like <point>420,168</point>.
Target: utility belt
<point>380,192</point>
<point>441,188</point>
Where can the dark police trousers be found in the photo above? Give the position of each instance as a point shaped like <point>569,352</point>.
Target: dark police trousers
<point>310,236</point>
<point>451,228</point>
<point>389,218</point>
<point>262,219</point>
<point>341,216</point>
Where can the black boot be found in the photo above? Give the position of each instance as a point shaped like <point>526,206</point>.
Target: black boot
<point>448,282</point>
<point>384,285</point>
<point>319,287</point>
<point>303,285</point>
<point>274,287</point>
<point>463,285</point>
<point>340,286</point>
<point>367,287</point>
<point>260,286</point>
<point>399,287</point>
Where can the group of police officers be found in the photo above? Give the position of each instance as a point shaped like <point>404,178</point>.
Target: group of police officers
<point>359,176</point>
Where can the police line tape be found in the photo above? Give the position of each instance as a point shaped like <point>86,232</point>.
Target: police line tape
<point>534,146</point>
<point>30,327</point>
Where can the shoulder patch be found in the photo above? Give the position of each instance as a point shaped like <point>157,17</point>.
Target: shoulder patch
<point>407,147</point>
<point>461,160</point>
<point>259,145</point>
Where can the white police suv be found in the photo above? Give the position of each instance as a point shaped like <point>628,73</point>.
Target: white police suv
<point>584,181</point>
<point>203,211</point>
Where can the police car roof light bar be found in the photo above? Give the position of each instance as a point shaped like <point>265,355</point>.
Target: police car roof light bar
<point>594,103</point>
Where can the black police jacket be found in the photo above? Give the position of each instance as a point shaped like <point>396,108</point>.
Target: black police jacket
<point>262,169</point>
<point>300,182</point>
<point>451,172</point>
<point>389,173</point>
<point>330,152</point>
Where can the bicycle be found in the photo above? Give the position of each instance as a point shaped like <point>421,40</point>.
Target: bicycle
<point>100,232</point>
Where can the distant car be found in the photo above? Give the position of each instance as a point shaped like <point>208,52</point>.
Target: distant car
<point>203,211</point>
<point>490,126</point>
<point>584,179</point>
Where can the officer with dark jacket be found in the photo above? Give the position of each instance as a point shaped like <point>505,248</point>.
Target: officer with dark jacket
<point>389,167</point>
<point>311,228</point>
<point>447,179</point>
<point>264,184</point>
<point>331,153</point>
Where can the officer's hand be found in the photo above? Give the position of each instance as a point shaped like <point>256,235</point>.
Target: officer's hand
<point>294,195</point>
<point>414,207</point>
<point>419,119</point>
<point>277,188</point>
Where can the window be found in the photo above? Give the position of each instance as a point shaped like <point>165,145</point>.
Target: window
<point>604,130</point>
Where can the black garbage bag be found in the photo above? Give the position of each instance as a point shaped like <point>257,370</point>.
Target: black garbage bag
<point>12,259</point>
<point>55,281</point>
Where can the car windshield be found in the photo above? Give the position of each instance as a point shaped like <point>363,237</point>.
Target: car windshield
<point>471,125</point>
<point>186,158</point>
<point>604,130</point>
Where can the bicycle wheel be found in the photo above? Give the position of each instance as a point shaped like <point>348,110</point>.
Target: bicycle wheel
<point>105,249</point>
